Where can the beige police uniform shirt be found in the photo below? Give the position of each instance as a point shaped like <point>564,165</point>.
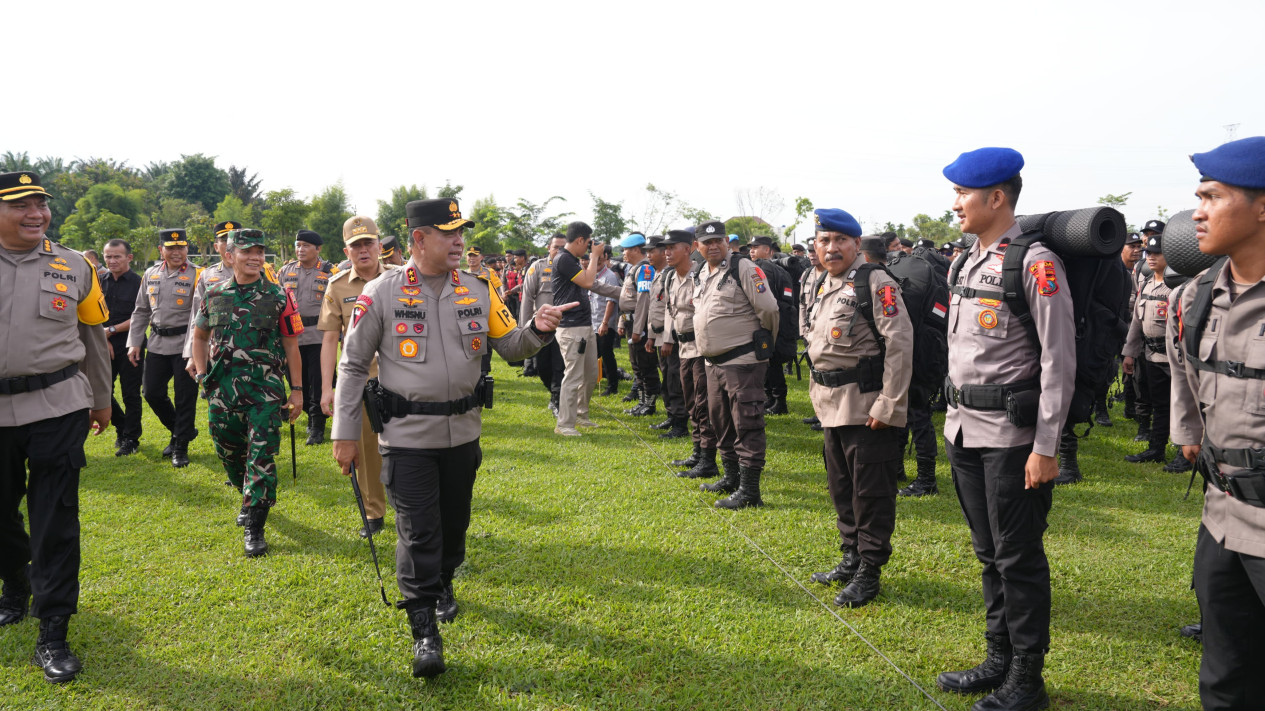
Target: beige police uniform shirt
<point>988,346</point>
<point>212,275</point>
<point>678,305</point>
<point>165,300</point>
<point>1233,408</point>
<point>429,348</point>
<point>841,337</point>
<point>726,316</point>
<point>50,318</point>
<point>307,286</point>
<point>1150,316</point>
<point>537,289</point>
<point>340,297</point>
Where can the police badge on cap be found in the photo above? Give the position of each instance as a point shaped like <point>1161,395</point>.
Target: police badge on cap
<point>711,230</point>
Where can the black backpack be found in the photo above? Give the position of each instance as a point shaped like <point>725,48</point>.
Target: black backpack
<point>926,293</point>
<point>1099,287</point>
<point>783,288</point>
<point>860,278</point>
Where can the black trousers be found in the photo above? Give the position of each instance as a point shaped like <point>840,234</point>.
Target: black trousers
<point>694,390</point>
<point>861,470</point>
<point>775,377</point>
<point>127,419</point>
<point>673,395</point>
<point>52,450</point>
<point>1007,524</point>
<point>735,406</point>
<point>1141,396</point>
<point>645,366</point>
<point>177,417</point>
<point>1158,382</point>
<point>606,351</point>
<point>918,424</point>
<point>430,490</point>
<point>1231,591</point>
<point>549,366</point>
<point>310,356</point>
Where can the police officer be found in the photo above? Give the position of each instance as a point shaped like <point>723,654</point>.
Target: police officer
<point>862,352</point>
<point>307,277</point>
<point>1218,418</point>
<point>165,302</point>
<point>674,399</point>
<point>735,324</point>
<point>392,252</point>
<point>429,325</point>
<point>54,381</point>
<point>807,298</point>
<point>360,235</point>
<point>1002,428</point>
<point>210,276</point>
<point>781,286</point>
<point>679,340</point>
<point>120,285</point>
<point>1130,255</point>
<point>1142,405</point>
<point>634,301</point>
<point>537,292</point>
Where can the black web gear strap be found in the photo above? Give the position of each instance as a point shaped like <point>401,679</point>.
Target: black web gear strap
<point>1011,282</point>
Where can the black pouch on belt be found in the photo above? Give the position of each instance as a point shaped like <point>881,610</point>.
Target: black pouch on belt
<point>373,405</point>
<point>488,383</point>
<point>1021,407</point>
<point>763,341</point>
<point>870,374</point>
<point>1248,487</point>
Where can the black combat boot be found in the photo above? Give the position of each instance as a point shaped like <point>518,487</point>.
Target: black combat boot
<point>315,429</point>
<point>728,484</point>
<point>15,600</point>
<point>1179,464</point>
<point>777,406</point>
<point>690,460</point>
<point>1069,468</point>
<point>843,572</point>
<point>862,588</point>
<point>1153,453</point>
<point>1102,414</point>
<point>529,368</point>
<point>1144,433</point>
<point>254,541</point>
<point>768,400</point>
<point>634,393</point>
<point>647,406</point>
<point>446,609</point>
<point>375,525</point>
<point>242,516</point>
<point>612,388</point>
<point>662,425</point>
<point>704,466</point>
<point>53,654</point>
<point>748,493</point>
<point>988,675</point>
<point>179,453</point>
<point>428,647</point>
<point>679,428</point>
<point>925,483</point>
<point>1023,690</point>
<point>554,397</point>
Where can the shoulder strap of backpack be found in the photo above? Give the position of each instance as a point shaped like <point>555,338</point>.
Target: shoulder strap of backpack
<point>865,301</point>
<point>732,271</point>
<point>1200,309</point>
<point>1012,283</point>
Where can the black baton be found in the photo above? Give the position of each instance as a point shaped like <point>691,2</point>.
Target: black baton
<point>294,464</point>
<point>373,551</point>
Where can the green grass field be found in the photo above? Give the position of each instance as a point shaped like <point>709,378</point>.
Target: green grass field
<point>596,579</point>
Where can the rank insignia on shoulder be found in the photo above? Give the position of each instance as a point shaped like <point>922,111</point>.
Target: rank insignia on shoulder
<point>455,278</point>
<point>411,275</point>
<point>467,300</point>
<point>852,275</point>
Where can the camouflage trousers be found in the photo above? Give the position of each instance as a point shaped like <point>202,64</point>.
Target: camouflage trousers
<point>246,439</point>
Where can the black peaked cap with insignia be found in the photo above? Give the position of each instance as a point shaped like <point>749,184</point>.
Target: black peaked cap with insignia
<point>20,184</point>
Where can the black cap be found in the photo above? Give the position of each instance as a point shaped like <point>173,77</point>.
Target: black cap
<point>223,228</point>
<point>20,184</point>
<point>711,230</point>
<point>1155,244</point>
<point>1153,226</point>
<point>798,248</point>
<point>654,242</point>
<point>765,240</point>
<point>389,244</point>
<point>442,214</point>
<point>924,242</point>
<point>310,237</point>
<point>904,242</point>
<point>173,238</point>
<point>678,237</point>
<point>1133,238</point>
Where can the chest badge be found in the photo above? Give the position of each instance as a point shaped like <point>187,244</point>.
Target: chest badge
<point>410,290</point>
<point>461,290</point>
<point>410,302</point>
<point>476,343</point>
<point>408,348</point>
<point>836,332</point>
<point>988,319</point>
<point>475,326</point>
<point>61,287</point>
<point>401,328</point>
<point>467,300</point>
<point>419,327</point>
<point>59,303</point>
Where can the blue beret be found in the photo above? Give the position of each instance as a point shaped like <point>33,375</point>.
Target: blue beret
<point>1239,163</point>
<point>984,167</point>
<point>635,239</point>
<point>733,237</point>
<point>836,220</point>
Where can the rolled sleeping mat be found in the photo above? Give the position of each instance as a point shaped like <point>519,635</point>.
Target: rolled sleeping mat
<point>1091,232</point>
<point>1174,279</point>
<point>1146,270</point>
<point>1181,247</point>
<point>967,239</point>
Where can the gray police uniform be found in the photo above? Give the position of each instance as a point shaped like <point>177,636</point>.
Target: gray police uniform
<point>634,300</point>
<point>673,396</point>
<point>307,285</point>
<point>678,306</point>
<point>537,291</point>
<point>1147,345</point>
<point>165,302</point>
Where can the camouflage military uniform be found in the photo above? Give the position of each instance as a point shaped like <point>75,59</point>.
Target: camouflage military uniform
<point>246,380</point>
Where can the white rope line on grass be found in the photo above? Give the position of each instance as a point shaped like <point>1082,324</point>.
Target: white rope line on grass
<point>726,519</point>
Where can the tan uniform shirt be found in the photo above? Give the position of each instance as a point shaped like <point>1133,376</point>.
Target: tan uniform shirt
<point>1150,316</point>
<point>537,289</point>
<point>308,286</point>
<point>726,316</point>
<point>340,297</point>
<point>164,301</point>
<point>212,275</point>
<point>988,346</point>
<point>429,348</point>
<point>841,337</point>
<point>634,299</point>
<point>678,301</point>
<point>1233,408</point>
<point>50,318</point>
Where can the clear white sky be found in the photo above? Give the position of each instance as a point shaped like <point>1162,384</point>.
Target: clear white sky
<point>852,104</point>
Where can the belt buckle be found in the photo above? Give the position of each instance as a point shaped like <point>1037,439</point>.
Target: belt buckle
<point>1256,459</point>
<point>1234,368</point>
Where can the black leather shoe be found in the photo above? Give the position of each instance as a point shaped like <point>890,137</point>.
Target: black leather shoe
<point>1195,632</point>
<point>612,389</point>
<point>127,447</point>
<point>15,601</point>
<point>446,609</point>
<point>816,427</point>
<point>1023,690</point>
<point>315,437</point>
<point>1143,435</point>
<point>728,484</point>
<point>632,395</point>
<point>1150,454</point>
<point>988,675</point>
<point>171,447</point>
<point>253,540</point>
<point>690,460</point>
<point>1068,476</point>
<point>52,654</point>
<point>862,588</point>
<point>375,525</point>
<point>843,572</point>
<point>1179,464</point>
<point>1103,419</point>
<point>811,420</point>
<point>920,487</point>
<point>180,454</point>
<point>428,646</point>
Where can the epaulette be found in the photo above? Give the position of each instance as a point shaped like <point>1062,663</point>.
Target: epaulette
<point>339,275</point>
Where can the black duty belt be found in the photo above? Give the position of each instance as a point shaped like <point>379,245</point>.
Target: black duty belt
<point>177,331</point>
<point>1241,458</point>
<point>1248,487</point>
<point>657,330</point>
<point>731,354</point>
<point>987,397</point>
<point>31,383</point>
<point>310,320</point>
<point>836,378</point>
<point>683,337</point>
<point>399,406</point>
<point>1156,345</point>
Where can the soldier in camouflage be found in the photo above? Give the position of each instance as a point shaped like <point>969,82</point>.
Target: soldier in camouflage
<point>251,326</point>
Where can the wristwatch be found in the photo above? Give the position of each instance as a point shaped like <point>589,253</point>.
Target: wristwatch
<point>200,377</point>
<point>110,330</point>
